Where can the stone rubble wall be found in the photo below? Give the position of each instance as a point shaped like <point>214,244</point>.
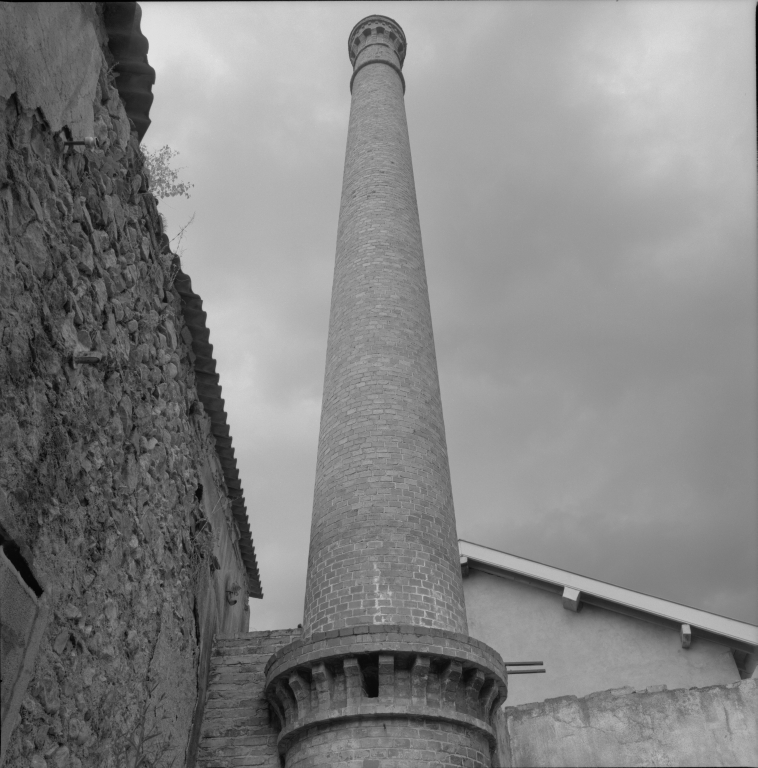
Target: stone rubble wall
<point>103,447</point>
<point>712,726</point>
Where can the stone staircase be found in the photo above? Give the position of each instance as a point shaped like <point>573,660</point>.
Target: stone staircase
<point>236,727</point>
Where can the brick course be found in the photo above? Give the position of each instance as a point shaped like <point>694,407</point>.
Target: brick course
<point>390,743</point>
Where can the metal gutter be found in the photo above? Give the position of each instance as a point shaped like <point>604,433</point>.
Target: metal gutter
<point>709,626</point>
<point>209,393</point>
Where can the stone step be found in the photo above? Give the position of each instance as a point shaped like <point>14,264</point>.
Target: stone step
<point>259,639</point>
<point>262,634</point>
<point>244,694</point>
<point>242,648</point>
<point>228,677</point>
<point>223,728</point>
<point>228,685</point>
<point>221,672</point>
<point>222,645</point>
<point>230,660</point>
<point>247,706</point>
<point>235,718</point>
<point>210,760</point>
<point>237,729</point>
<point>221,649</point>
<point>257,657</point>
<point>243,750</point>
<point>249,761</point>
<point>216,725</point>
<point>214,743</point>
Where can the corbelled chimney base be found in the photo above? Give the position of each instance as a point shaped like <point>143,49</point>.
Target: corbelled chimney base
<point>399,695</point>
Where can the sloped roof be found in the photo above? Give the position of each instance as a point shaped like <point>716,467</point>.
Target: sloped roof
<point>738,635</point>
<point>209,392</point>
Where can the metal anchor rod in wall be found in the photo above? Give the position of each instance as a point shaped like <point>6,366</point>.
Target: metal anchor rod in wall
<point>524,664</point>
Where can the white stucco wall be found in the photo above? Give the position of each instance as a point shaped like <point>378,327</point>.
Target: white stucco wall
<point>593,650</point>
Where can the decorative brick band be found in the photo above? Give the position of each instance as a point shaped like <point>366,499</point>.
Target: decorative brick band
<point>377,61</point>
<point>365,638</point>
<point>395,671</point>
<point>367,711</point>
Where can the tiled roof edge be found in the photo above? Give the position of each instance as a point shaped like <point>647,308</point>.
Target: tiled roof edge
<point>711,625</point>
<point>129,48</point>
<point>209,393</point>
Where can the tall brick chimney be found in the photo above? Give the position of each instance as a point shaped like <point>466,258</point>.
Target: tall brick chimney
<point>384,548</point>
<point>385,674</point>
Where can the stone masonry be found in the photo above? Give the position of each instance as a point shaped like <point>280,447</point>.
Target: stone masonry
<point>117,516</point>
<point>385,674</point>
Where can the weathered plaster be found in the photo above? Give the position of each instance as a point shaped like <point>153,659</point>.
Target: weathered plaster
<point>694,727</point>
<point>50,57</point>
<point>592,650</point>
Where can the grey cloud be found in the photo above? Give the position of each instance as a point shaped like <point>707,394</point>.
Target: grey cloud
<point>586,184</point>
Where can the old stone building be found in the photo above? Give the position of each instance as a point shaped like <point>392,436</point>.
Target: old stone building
<point>127,558</point>
<point>125,542</point>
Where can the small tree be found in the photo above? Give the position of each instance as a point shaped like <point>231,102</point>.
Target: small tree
<point>164,180</point>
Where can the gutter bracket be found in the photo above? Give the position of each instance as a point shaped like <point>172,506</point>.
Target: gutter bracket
<point>572,599</point>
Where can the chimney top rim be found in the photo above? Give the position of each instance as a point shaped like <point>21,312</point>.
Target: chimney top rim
<point>377,17</point>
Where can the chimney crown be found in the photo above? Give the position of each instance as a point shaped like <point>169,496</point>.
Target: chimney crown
<point>376,30</point>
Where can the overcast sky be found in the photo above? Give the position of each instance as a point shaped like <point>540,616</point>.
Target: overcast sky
<point>586,182</point>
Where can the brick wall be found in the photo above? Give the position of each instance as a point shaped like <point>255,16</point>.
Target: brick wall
<point>383,539</point>
<point>390,743</point>
<point>237,727</point>
<point>375,681</point>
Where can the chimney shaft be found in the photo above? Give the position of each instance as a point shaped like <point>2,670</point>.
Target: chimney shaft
<point>384,546</point>
<point>385,673</point>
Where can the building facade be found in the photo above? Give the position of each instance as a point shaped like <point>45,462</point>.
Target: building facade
<point>593,636</point>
